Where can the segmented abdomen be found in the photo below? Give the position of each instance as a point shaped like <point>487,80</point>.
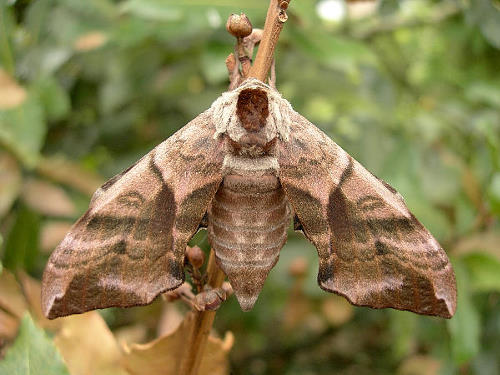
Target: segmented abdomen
<point>247,225</point>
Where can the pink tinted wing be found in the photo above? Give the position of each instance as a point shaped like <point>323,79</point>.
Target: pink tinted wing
<point>372,250</point>
<point>129,246</point>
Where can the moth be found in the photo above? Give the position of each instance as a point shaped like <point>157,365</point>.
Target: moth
<point>244,169</point>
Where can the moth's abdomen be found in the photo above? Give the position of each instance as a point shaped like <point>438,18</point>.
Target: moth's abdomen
<point>247,225</point>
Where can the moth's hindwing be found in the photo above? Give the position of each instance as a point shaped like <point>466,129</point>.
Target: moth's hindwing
<point>372,250</point>
<point>129,246</point>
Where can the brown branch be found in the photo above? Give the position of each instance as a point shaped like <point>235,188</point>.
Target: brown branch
<point>276,16</point>
<point>201,324</point>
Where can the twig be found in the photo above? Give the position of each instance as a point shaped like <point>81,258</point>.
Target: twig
<point>246,38</point>
<point>201,324</point>
<point>239,26</point>
<point>276,16</point>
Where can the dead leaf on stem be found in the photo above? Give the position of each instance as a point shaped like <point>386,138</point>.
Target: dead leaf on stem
<point>162,356</point>
<point>47,199</point>
<point>11,94</point>
<point>485,241</point>
<point>10,181</point>
<point>88,346</point>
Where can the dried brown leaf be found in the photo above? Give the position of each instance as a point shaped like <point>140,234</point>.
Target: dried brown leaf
<point>32,290</point>
<point>299,306</point>
<point>69,174</point>
<point>170,319</point>
<point>88,346</point>
<point>131,334</point>
<point>10,180</point>
<point>11,94</point>
<point>90,41</point>
<point>162,356</point>
<point>52,234</point>
<point>361,9</point>
<point>337,310</point>
<point>11,296</point>
<point>487,242</point>
<point>47,198</point>
<point>472,187</point>
<point>8,326</point>
<point>420,364</point>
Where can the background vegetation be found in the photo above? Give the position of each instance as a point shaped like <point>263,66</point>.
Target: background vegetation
<point>411,90</point>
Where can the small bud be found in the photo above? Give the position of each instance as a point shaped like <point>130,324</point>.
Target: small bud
<point>239,26</point>
<point>298,267</point>
<point>282,16</point>
<point>284,4</point>
<point>226,287</point>
<point>195,256</point>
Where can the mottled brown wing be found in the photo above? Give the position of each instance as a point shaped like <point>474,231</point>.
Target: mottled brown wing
<point>372,250</point>
<point>129,246</point>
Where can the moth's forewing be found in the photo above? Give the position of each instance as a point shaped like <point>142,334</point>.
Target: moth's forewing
<point>372,250</point>
<point>129,246</point>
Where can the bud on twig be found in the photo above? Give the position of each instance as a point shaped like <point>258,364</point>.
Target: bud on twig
<point>284,4</point>
<point>226,287</point>
<point>298,267</point>
<point>195,256</point>
<point>239,25</point>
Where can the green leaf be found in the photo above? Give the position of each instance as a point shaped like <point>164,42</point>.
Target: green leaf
<point>494,193</point>
<point>21,244</point>
<point>335,52</point>
<point>487,18</point>
<point>484,271</point>
<point>23,129</point>
<point>52,96</point>
<point>7,25</point>
<point>404,331</point>
<point>484,92</point>
<point>213,65</point>
<point>10,182</point>
<point>32,353</point>
<point>151,10</point>
<point>464,327</point>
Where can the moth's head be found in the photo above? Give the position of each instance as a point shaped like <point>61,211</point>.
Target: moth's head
<point>253,116</point>
<point>252,109</point>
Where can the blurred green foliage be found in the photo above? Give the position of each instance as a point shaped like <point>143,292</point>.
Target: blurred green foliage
<point>33,353</point>
<point>411,90</point>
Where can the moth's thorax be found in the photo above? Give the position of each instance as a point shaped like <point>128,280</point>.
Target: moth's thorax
<point>252,116</point>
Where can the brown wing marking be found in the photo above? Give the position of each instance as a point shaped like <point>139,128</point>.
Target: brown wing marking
<point>372,249</point>
<point>129,246</point>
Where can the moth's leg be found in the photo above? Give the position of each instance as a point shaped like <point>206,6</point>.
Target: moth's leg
<point>297,225</point>
<point>203,222</point>
<point>211,299</point>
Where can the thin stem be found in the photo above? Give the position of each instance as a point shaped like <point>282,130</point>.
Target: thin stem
<point>276,16</point>
<point>201,324</point>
